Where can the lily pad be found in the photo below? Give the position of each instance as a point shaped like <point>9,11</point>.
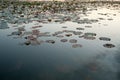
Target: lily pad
<point>108,45</point>
<point>50,41</point>
<point>80,28</point>
<point>88,26</point>
<point>73,41</point>
<point>104,38</point>
<point>27,43</point>
<point>60,36</point>
<point>76,46</point>
<point>63,40</point>
<point>90,34</point>
<point>89,37</point>
<point>68,35</point>
<point>64,27</point>
<point>77,33</point>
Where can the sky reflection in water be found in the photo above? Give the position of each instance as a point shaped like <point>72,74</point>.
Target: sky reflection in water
<point>76,49</point>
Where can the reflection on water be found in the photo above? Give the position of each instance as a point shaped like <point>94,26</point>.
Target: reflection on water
<point>79,45</point>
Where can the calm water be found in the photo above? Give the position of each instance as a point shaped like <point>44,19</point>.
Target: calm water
<point>40,59</point>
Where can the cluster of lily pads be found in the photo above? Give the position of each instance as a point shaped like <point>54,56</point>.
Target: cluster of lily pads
<point>51,12</point>
<point>33,37</point>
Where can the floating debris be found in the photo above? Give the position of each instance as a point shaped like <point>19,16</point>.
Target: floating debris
<point>104,38</point>
<point>50,41</point>
<point>76,46</point>
<point>63,40</point>
<point>73,41</point>
<point>109,45</point>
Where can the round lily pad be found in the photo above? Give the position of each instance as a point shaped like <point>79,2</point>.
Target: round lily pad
<point>68,35</point>
<point>60,36</point>
<point>76,46</point>
<point>64,27</point>
<point>90,34</point>
<point>77,33</point>
<point>50,41</point>
<point>63,40</point>
<point>88,26</point>
<point>27,43</point>
<point>108,45</point>
<point>89,37</point>
<point>80,28</point>
<point>104,38</point>
<point>73,41</point>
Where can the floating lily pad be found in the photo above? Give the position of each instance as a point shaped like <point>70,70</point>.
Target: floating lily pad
<point>21,29</point>
<point>104,38</point>
<point>101,18</point>
<point>68,35</point>
<point>64,27</point>
<point>110,19</point>
<point>77,33</point>
<point>16,33</point>
<point>35,32</point>
<point>88,26</point>
<point>108,45</point>
<point>76,46</point>
<point>31,37</point>
<point>81,36</point>
<point>89,37</point>
<point>90,34</point>
<point>36,27</point>
<point>80,28</point>
<point>73,41</point>
<point>60,36</point>
<point>27,43</point>
<point>68,31</point>
<point>63,40</point>
<point>50,41</point>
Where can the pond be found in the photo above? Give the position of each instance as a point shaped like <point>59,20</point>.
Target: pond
<point>80,45</point>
